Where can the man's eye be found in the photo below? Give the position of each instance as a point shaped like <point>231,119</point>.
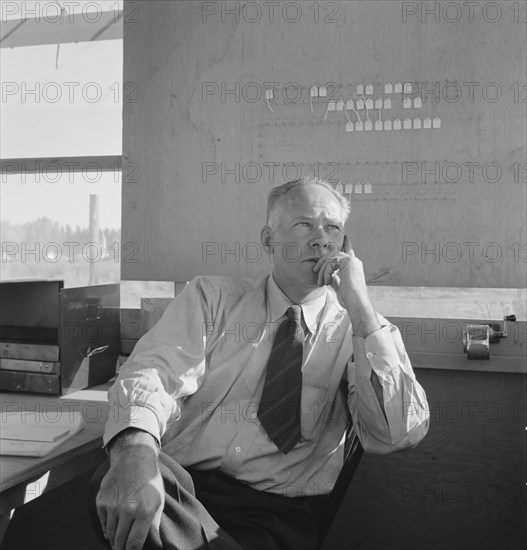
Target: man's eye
<point>303,223</point>
<point>334,227</point>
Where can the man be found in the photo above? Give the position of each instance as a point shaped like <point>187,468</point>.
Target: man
<point>241,381</point>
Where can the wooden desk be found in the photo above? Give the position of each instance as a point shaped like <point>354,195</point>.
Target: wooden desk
<point>23,479</point>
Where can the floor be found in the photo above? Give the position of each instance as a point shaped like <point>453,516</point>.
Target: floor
<point>58,520</point>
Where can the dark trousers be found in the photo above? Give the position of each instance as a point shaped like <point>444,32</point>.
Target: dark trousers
<point>209,510</point>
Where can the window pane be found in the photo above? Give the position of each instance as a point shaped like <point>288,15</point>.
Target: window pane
<point>62,100</point>
<point>133,291</point>
<point>45,227</point>
<point>449,303</point>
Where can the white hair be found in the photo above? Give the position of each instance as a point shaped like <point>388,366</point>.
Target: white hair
<point>276,197</point>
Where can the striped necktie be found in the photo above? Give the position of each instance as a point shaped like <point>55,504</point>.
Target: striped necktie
<point>279,410</point>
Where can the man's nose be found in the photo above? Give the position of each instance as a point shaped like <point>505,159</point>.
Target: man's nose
<point>323,242</point>
<point>320,240</point>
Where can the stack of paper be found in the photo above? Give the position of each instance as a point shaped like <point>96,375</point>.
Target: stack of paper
<point>25,433</point>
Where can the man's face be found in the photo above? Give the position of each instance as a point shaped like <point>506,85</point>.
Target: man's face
<point>310,226</point>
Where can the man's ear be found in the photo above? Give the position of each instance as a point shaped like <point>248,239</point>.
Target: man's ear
<point>266,237</point>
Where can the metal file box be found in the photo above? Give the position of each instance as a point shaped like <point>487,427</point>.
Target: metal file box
<point>57,340</point>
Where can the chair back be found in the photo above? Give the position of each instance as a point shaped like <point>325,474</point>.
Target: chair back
<point>353,452</point>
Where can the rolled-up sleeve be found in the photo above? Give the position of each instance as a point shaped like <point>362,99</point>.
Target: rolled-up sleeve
<point>403,419</point>
<point>166,365</point>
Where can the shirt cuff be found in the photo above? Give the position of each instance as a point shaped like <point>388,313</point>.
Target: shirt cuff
<point>133,416</point>
<point>378,348</point>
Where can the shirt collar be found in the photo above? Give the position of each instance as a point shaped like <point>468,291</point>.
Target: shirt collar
<point>278,304</point>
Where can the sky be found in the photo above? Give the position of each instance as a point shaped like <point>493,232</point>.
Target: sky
<point>58,105</point>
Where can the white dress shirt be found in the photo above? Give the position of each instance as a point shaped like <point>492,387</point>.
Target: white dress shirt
<point>195,381</point>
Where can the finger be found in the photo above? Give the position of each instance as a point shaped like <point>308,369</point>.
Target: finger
<point>319,264</point>
<point>111,527</point>
<point>137,535</point>
<point>346,246</point>
<point>319,269</point>
<point>328,275</point>
<point>101,513</point>
<point>321,261</point>
<point>322,272</point>
<point>325,273</point>
<point>332,247</point>
<point>335,281</point>
<point>122,532</point>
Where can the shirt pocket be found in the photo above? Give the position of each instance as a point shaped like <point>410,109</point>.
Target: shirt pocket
<point>314,411</point>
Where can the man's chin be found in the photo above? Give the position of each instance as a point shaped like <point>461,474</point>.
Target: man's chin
<point>303,276</point>
<point>310,280</point>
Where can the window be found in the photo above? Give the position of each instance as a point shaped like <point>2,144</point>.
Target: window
<point>61,140</point>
